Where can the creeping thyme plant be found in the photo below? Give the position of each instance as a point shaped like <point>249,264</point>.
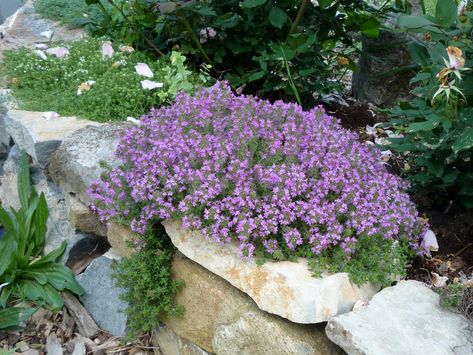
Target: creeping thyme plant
<point>94,79</point>
<point>279,181</point>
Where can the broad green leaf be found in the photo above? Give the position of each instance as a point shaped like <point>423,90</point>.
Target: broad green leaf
<point>4,296</point>
<point>464,141</point>
<point>257,75</point>
<point>466,190</point>
<point>415,22</point>
<point>40,219</point>
<point>24,180</point>
<point>422,126</point>
<point>61,277</point>
<point>92,2</point>
<point>325,3</point>
<point>371,28</point>
<point>419,54</point>
<point>7,247</point>
<point>11,317</point>
<point>450,178</point>
<point>277,17</point>
<point>446,12</point>
<point>38,276</point>
<point>248,4</point>
<point>50,257</point>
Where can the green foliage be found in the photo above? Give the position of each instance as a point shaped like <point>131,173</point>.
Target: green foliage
<point>451,295</point>
<point>248,42</point>
<point>438,124</point>
<point>375,259</point>
<point>52,84</point>
<point>69,12</point>
<point>25,272</point>
<point>12,316</point>
<point>146,278</point>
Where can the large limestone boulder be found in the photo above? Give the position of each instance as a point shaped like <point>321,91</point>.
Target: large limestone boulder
<point>285,288</point>
<point>403,319</point>
<point>40,137</point>
<point>223,320</point>
<point>171,344</point>
<point>120,236</point>
<point>77,162</point>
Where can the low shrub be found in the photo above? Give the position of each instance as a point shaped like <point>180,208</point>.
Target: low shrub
<point>110,87</point>
<point>287,49</point>
<point>437,125</point>
<point>280,181</point>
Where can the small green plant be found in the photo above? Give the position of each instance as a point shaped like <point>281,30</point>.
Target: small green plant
<point>437,125</point>
<point>146,278</point>
<point>26,274</point>
<point>83,80</point>
<point>451,295</point>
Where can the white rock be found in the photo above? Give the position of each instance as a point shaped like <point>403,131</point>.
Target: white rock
<point>403,319</point>
<point>40,137</point>
<point>53,345</point>
<point>47,34</point>
<point>285,288</point>
<point>50,115</point>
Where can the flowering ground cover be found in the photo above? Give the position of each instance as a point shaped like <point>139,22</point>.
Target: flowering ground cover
<point>94,79</point>
<point>280,181</point>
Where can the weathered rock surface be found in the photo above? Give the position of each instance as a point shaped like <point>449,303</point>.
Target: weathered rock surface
<point>403,319</point>
<point>285,288</point>
<point>101,297</point>
<point>24,28</point>
<point>171,344</point>
<point>119,236</point>
<point>38,136</point>
<point>82,218</point>
<point>218,317</point>
<point>77,161</point>
<point>4,136</point>
<point>85,324</point>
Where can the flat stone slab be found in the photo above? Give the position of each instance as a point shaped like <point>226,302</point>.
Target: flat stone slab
<point>102,297</point>
<point>285,288</point>
<point>401,320</point>
<point>40,137</point>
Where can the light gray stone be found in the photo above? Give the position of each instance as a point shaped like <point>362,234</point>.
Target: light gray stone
<point>77,162</point>
<point>101,297</point>
<point>171,344</point>
<point>53,345</point>
<point>24,28</point>
<point>405,319</point>
<point>82,218</point>
<point>287,289</point>
<point>4,136</point>
<point>85,324</point>
<point>40,137</point>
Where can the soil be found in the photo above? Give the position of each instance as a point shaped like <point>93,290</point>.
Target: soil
<point>452,224</point>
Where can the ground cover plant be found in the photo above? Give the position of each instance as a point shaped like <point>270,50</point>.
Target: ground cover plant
<point>288,49</point>
<point>437,125</point>
<point>94,79</point>
<point>26,273</point>
<point>279,181</point>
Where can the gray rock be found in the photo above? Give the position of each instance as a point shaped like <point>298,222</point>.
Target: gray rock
<point>77,162</point>
<point>53,345</point>
<point>24,28</point>
<point>82,218</point>
<point>38,136</point>
<point>101,297</point>
<point>405,319</point>
<point>4,136</point>
<point>171,344</point>
<point>385,68</point>
<point>86,325</point>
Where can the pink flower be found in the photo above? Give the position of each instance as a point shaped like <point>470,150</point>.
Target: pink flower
<point>143,70</point>
<point>107,49</point>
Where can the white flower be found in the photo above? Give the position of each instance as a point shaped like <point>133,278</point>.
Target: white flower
<point>107,49</point>
<point>41,54</point>
<point>429,242</point>
<point>143,70</point>
<point>59,52</point>
<point>41,46</point>
<point>206,34</point>
<point>149,85</point>
<point>50,115</point>
<point>133,120</point>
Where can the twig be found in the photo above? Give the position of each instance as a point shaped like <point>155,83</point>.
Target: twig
<point>463,249</point>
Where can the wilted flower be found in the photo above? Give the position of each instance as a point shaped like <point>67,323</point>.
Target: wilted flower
<point>127,49</point>
<point>107,49</point>
<point>455,57</point>
<point>149,85</point>
<point>206,34</point>
<point>143,70</point>
<point>85,87</point>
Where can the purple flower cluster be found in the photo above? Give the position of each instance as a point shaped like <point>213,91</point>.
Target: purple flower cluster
<point>270,176</point>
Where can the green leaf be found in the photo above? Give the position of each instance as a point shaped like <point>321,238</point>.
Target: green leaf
<point>277,17</point>
<point>24,181</point>
<point>325,3</point>
<point>414,22</point>
<point>257,75</point>
<point>371,27</point>
<point>61,277</point>
<point>446,12</point>
<point>51,256</point>
<point>450,178</point>
<point>7,247</point>
<point>248,4</point>
<point>6,220</point>
<point>206,11</point>
<point>4,296</point>
<point>422,126</point>
<point>92,2</point>
<point>419,54</point>
<point>13,316</point>
<point>39,220</point>
<point>464,141</point>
